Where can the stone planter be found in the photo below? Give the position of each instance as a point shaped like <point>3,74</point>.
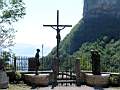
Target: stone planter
<point>40,80</point>
<point>97,80</point>
<point>4,80</point>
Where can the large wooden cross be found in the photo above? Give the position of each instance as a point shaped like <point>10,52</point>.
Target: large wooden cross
<point>58,28</point>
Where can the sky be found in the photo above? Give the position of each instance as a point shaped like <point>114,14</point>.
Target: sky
<point>30,31</point>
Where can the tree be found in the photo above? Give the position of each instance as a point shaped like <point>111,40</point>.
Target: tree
<point>10,11</point>
<point>6,58</point>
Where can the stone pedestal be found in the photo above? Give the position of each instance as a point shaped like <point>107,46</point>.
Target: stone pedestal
<point>31,64</point>
<point>4,80</point>
<point>55,68</point>
<point>77,71</point>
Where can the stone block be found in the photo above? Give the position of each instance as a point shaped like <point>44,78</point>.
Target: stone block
<point>4,80</point>
<point>97,80</point>
<point>40,80</point>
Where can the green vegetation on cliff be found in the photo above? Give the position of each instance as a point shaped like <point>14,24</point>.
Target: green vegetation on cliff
<point>100,33</point>
<point>109,50</point>
<point>89,31</point>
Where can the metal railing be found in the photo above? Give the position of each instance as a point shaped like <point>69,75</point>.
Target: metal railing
<point>21,63</point>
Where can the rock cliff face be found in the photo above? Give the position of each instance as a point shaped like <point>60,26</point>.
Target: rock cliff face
<point>101,18</point>
<point>95,8</point>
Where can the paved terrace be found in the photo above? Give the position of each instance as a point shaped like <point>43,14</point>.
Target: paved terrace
<point>83,87</point>
<point>76,88</point>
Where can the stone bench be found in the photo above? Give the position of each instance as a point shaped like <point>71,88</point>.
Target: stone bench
<point>40,80</point>
<point>97,80</point>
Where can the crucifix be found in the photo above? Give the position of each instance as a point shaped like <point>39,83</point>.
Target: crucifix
<point>58,28</point>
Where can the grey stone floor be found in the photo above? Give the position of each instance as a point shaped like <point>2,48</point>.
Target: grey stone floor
<point>83,87</point>
<point>73,87</point>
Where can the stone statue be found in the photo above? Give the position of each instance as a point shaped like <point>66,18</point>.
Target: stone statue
<point>37,61</point>
<point>95,56</point>
<point>4,80</point>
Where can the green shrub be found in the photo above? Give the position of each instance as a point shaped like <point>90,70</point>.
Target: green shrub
<point>18,76</point>
<point>115,80</point>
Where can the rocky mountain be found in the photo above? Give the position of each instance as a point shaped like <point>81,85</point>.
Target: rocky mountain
<point>100,18</point>
<point>95,8</point>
